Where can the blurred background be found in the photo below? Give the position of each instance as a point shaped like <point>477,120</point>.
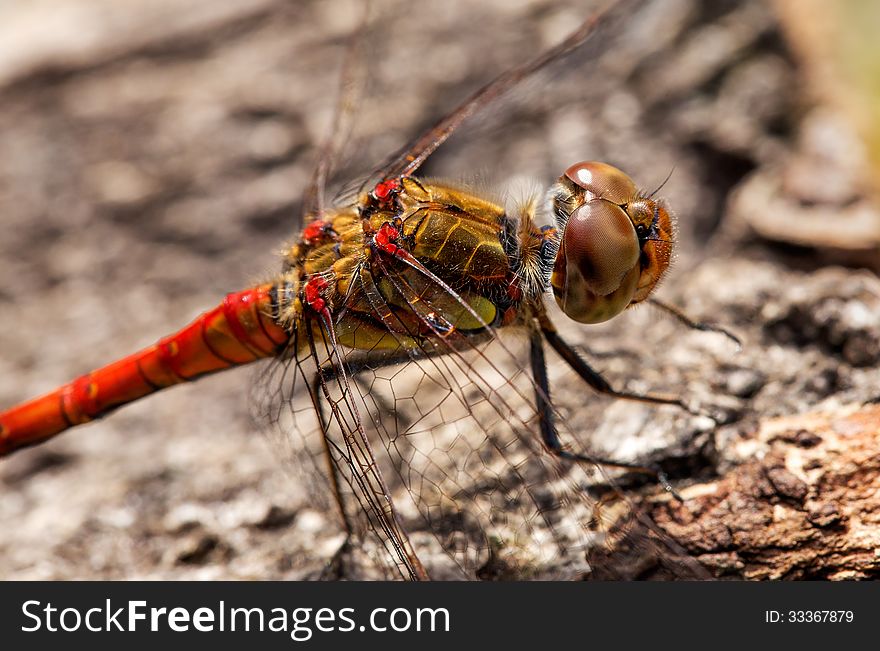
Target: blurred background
<point>153,155</point>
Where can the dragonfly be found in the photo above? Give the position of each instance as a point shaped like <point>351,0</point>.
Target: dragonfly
<point>391,328</point>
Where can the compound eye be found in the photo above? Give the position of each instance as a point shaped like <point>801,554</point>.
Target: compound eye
<point>597,268</point>
<point>603,180</point>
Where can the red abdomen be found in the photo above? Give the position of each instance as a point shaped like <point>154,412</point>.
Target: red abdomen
<point>238,331</point>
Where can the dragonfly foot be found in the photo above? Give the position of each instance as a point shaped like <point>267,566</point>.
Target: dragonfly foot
<point>688,322</point>
<point>651,469</point>
<point>663,480</point>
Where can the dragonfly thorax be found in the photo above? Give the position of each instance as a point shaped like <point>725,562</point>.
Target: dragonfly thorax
<point>615,243</point>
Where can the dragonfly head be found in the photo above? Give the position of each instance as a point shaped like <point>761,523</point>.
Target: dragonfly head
<point>615,243</point>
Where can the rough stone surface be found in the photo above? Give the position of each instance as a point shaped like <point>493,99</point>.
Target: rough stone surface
<point>153,156</point>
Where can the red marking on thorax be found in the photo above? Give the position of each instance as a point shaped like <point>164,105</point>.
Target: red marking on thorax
<point>313,292</point>
<point>316,231</point>
<point>385,190</point>
<point>386,238</point>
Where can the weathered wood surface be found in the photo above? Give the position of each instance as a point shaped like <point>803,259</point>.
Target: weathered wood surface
<point>152,156</point>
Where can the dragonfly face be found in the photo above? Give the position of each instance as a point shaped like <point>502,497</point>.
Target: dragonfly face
<point>615,244</point>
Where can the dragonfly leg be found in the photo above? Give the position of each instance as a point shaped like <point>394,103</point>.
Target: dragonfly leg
<point>549,433</point>
<point>599,383</point>
<point>684,319</point>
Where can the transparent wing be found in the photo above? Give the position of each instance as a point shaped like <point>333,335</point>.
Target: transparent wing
<point>351,82</point>
<point>408,160</point>
<point>432,446</point>
<point>464,432</point>
<point>426,438</point>
<point>474,483</point>
<point>318,416</point>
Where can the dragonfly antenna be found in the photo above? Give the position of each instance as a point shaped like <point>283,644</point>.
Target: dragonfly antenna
<point>660,187</point>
